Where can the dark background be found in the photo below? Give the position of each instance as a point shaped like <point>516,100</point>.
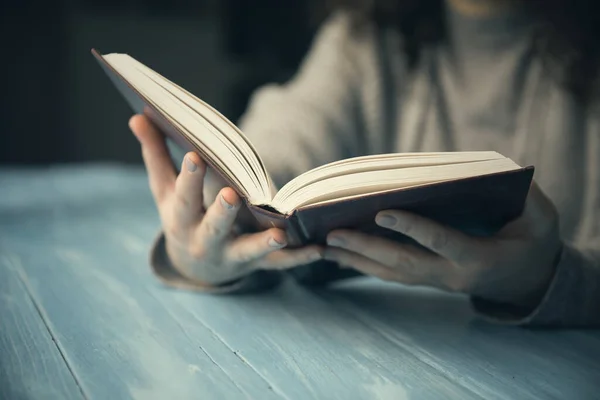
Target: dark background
<point>59,107</point>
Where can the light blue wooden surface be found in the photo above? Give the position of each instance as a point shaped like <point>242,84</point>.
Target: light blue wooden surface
<point>79,238</point>
<point>31,366</point>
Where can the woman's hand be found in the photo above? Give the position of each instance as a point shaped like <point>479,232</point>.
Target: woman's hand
<point>200,241</point>
<point>515,266</point>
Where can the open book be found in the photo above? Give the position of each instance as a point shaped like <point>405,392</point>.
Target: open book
<point>474,191</point>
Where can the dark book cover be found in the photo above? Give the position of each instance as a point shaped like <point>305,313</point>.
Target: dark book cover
<point>478,206</point>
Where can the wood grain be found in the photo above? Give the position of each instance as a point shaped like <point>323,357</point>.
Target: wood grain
<point>82,237</point>
<point>502,362</point>
<point>117,338</point>
<point>31,365</point>
<point>90,273</point>
<point>119,341</point>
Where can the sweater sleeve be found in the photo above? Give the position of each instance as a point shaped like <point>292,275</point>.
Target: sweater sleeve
<point>308,121</point>
<point>572,298</point>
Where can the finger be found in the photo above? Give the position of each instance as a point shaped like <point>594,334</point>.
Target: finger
<point>348,259</point>
<point>447,242</point>
<point>408,261</point>
<point>288,258</point>
<point>161,172</point>
<point>250,247</point>
<point>387,252</point>
<point>188,191</point>
<point>217,223</point>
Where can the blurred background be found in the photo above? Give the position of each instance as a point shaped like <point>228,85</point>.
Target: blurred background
<point>59,107</point>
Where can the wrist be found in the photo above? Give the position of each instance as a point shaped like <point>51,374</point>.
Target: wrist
<point>532,299</point>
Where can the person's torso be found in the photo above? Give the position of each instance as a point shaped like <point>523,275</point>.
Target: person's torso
<point>480,92</point>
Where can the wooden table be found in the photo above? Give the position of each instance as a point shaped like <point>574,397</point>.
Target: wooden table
<point>81,316</point>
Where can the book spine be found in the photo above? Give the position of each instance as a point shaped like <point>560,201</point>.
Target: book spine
<point>297,236</point>
<point>270,219</point>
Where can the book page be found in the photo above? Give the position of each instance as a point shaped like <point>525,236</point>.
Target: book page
<point>228,149</point>
<point>381,162</point>
<point>369,175</point>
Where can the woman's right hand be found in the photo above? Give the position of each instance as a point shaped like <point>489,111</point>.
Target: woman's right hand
<point>200,240</point>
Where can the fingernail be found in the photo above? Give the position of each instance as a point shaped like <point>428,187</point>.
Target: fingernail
<point>336,241</point>
<point>386,220</point>
<point>225,204</point>
<point>191,166</point>
<point>315,256</point>
<point>275,243</point>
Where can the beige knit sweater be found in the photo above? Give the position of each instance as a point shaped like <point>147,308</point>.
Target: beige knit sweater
<point>483,89</point>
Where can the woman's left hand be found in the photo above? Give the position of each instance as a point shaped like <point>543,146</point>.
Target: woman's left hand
<point>515,266</point>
